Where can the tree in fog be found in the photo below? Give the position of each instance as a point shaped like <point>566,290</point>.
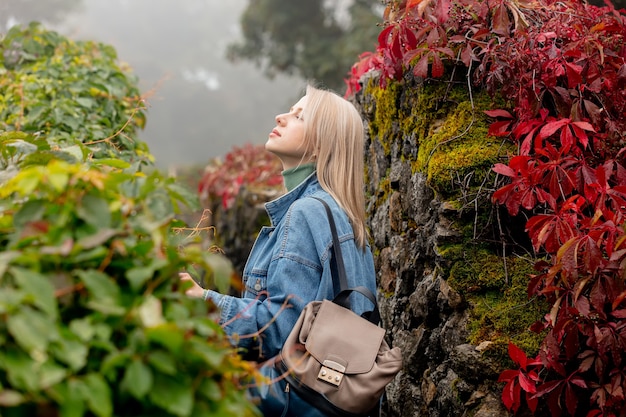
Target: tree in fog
<point>314,39</point>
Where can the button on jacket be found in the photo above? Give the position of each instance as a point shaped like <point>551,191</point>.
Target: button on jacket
<point>289,267</point>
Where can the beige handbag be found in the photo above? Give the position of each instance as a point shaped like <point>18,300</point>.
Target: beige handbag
<point>335,359</point>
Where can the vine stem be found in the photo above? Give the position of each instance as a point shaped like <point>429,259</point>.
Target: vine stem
<point>119,132</point>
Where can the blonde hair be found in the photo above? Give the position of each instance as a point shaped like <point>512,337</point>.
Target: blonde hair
<point>334,136</point>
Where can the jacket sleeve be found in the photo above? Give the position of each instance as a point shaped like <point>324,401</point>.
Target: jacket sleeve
<point>293,280</point>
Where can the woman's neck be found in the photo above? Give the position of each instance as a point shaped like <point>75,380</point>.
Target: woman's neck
<point>294,176</point>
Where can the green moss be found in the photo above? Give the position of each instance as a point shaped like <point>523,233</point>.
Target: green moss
<point>449,125</point>
<point>384,189</point>
<point>455,149</point>
<point>385,113</point>
<point>501,311</point>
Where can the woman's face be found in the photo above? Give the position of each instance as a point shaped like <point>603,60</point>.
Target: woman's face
<point>287,139</point>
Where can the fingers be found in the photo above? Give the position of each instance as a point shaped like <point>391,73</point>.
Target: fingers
<point>184,276</point>
<point>195,290</point>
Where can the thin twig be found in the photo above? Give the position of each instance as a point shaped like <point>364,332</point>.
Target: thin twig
<point>503,241</point>
<point>130,118</point>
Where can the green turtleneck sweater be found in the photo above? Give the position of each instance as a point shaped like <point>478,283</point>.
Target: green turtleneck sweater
<point>294,176</point>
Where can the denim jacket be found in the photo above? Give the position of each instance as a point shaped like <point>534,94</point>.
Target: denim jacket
<point>289,267</point>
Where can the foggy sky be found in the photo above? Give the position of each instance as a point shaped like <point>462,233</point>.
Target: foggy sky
<point>199,104</point>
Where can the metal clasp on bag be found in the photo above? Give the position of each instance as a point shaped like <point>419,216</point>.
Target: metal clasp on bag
<point>331,372</point>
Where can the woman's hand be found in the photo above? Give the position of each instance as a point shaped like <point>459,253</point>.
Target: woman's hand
<point>195,290</point>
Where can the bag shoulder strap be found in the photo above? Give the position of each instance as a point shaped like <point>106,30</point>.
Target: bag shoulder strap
<point>338,272</point>
<point>336,262</point>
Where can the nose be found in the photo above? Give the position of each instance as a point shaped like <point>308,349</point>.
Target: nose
<point>280,119</point>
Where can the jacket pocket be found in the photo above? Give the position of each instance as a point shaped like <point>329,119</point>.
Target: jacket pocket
<point>255,285</point>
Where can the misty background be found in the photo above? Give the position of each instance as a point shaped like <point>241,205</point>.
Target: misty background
<point>200,105</point>
<point>215,73</point>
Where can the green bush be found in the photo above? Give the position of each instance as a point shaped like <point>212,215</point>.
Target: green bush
<point>73,94</point>
<point>91,321</point>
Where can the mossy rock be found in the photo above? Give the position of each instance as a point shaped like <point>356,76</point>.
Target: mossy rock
<point>441,130</point>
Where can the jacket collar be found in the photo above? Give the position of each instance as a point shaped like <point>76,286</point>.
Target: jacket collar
<point>277,208</point>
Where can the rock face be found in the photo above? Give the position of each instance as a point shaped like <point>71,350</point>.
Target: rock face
<point>443,375</point>
<point>426,318</point>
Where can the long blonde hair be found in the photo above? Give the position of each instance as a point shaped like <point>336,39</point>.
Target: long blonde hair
<point>334,135</point>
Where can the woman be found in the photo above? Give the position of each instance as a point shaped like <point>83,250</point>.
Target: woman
<point>320,144</point>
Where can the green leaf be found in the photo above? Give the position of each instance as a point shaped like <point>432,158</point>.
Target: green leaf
<point>175,395</point>
<point>76,152</point>
<point>212,355</point>
<point>31,329</point>
<point>39,287</point>
<point>151,312</point>
<point>106,308</point>
<point>163,362</point>
<point>113,361</point>
<point>222,270</point>
<point>103,331</point>
<point>138,276</point>
<point>20,146</point>
<point>167,335</point>
<point>96,239</point>
<point>58,180</point>
<point>10,300</point>
<point>83,329</point>
<point>183,194</point>
<point>20,369</point>
<point>5,260</point>
<point>71,352</point>
<point>28,181</point>
<point>101,287</point>
<point>95,211</point>
<point>85,102</point>
<point>9,398</point>
<point>114,163</point>
<point>210,389</point>
<point>137,379</point>
<point>71,398</point>
<point>50,374</point>
<point>98,395</point>
<point>30,211</point>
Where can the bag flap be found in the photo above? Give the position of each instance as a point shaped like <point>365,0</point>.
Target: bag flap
<point>341,336</point>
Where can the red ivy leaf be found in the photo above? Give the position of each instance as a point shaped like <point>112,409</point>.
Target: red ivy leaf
<point>511,396</point>
<point>551,127</point>
<point>518,356</point>
<point>442,10</point>
<point>498,113</point>
<point>501,22</point>
<point>508,375</point>
<point>574,76</point>
<point>500,128</point>
<point>421,68</point>
<point>532,402</point>
<point>548,387</point>
<point>571,400</point>
<point>526,383</point>
<point>549,230</point>
<point>504,170</point>
<point>467,55</point>
<point>384,36</point>
<point>437,69</point>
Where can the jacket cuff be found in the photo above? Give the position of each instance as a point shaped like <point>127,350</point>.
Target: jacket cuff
<point>220,300</point>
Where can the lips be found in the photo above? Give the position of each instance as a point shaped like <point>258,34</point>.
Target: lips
<point>275,133</point>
